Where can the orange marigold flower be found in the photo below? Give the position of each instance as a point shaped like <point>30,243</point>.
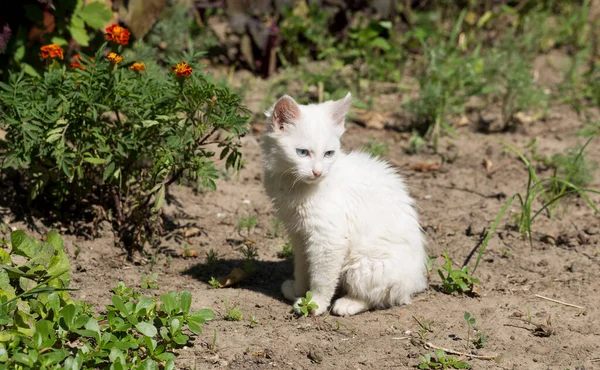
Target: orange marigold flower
<point>138,67</point>
<point>114,58</point>
<point>118,34</point>
<point>182,69</point>
<point>76,63</point>
<point>51,51</point>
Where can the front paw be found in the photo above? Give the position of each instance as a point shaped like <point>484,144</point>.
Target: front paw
<point>288,290</point>
<point>315,307</point>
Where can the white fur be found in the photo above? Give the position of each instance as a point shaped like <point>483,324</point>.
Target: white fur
<point>355,225</point>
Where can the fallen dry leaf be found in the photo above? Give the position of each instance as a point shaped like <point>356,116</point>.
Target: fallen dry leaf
<point>235,276</point>
<point>461,121</point>
<point>192,231</point>
<point>523,118</point>
<point>372,119</point>
<point>425,167</point>
<point>189,253</point>
<point>475,291</point>
<point>487,164</point>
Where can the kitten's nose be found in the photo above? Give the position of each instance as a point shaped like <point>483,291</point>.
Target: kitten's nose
<point>317,173</point>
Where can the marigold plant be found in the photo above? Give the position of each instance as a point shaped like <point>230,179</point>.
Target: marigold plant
<point>138,67</point>
<point>114,58</point>
<point>117,34</point>
<point>182,69</point>
<point>110,137</point>
<point>51,51</point>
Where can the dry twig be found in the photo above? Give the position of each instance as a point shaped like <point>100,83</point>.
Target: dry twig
<point>429,345</point>
<point>557,301</point>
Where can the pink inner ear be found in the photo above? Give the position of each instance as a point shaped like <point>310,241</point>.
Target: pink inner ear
<point>341,108</point>
<point>285,110</point>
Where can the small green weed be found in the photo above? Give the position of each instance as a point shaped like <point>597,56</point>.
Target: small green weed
<point>440,360</point>
<point>253,321</point>
<point>448,79</point>
<point>573,166</point>
<point>250,252</point>
<point>246,223</point>
<point>287,252</point>
<point>276,228</point>
<point>509,77</point>
<point>212,260</point>
<point>590,130</point>
<point>453,280</point>
<point>481,339</point>
<point>232,313</point>
<point>415,143</point>
<point>306,305</point>
<point>214,283</point>
<point>150,281</point>
<point>549,190</point>
<point>43,327</point>
<point>376,148</point>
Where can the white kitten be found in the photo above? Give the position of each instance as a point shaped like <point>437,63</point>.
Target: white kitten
<point>349,216</point>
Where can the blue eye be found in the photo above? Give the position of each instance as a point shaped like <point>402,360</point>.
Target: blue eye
<point>302,152</point>
<point>329,153</point>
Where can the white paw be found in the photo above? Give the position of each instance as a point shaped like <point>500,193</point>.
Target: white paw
<point>346,306</point>
<point>287,288</point>
<point>322,306</point>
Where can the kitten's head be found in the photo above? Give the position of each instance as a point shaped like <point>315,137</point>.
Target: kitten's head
<point>304,140</point>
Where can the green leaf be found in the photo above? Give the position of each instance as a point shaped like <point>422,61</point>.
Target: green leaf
<point>53,357</point>
<point>22,245</point>
<point>59,264</point>
<point>73,363</point>
<point>5,285</point>
<point>69,314</point>
<point>23,359</point>
<point>159,199</point>
<point>44,331</point>
<point>119,305</point>
<point>148,364</point>
<point>96,14</point>
<point>175,325</point>
<point>94,160</point>
<point>143,306</point>
<point>27,68</point>
<point>4,257</point>
<point>186,302</point>
<point>181,339</point>
<point>79,35</point>
<point>381,43</point>
<point>109,170</point>
<point>169,302</point>
<point>146,328</point>
<point>202,315</point>
<point>92,325</point>
<point>59,41</point>
<point>194,327</point>
<point>54,238</point>
<point>53,137</point>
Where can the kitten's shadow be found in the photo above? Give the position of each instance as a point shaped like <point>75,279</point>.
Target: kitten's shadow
<point>266,278</point>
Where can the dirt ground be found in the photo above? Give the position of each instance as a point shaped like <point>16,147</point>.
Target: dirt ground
<point>457,202</point>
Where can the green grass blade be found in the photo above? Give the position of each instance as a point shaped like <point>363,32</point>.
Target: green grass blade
<point>491,232</point>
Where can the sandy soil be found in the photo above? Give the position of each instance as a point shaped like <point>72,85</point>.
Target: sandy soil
<point>457,203</point>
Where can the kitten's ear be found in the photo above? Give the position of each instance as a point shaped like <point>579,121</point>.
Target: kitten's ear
<point>285,110</point>
<point>341,108</point>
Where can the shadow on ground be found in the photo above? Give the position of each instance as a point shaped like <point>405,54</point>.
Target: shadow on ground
<point>266,279</point>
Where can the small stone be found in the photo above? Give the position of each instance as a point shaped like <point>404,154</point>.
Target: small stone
<point>592,230</point>
<point>315,355</point>
<point>574,267</point>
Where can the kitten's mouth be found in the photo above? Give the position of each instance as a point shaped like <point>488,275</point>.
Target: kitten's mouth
<point>312,180</point>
